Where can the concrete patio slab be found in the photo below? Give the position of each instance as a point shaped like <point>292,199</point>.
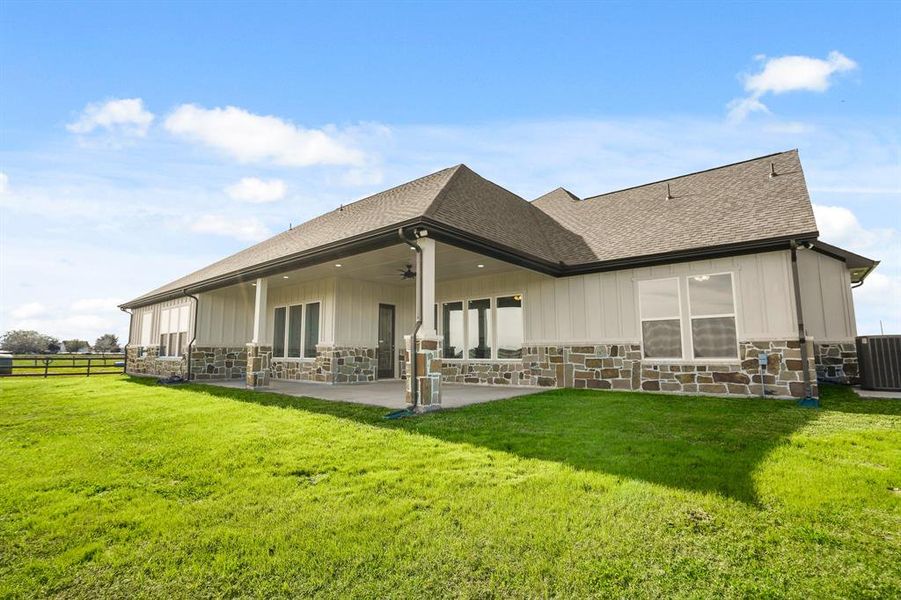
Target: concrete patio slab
<point>387,393</point>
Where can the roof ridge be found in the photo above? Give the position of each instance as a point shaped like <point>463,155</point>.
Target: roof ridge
<point>726,166</point>
<point>432,208</point>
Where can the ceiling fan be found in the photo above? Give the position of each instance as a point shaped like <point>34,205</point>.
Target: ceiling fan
<point>407,273</point>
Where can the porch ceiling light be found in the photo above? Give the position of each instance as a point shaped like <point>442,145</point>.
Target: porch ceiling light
<point>338,265</point>
<point>284,276</point>
<point>481,266</point>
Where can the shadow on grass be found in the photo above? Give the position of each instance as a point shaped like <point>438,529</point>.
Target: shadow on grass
<point>692,443</point>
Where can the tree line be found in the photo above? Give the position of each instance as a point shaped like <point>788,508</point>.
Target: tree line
<point>22,341</point>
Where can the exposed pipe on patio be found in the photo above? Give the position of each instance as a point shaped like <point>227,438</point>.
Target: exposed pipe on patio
<point>193,333</point>
<point>414,384</point>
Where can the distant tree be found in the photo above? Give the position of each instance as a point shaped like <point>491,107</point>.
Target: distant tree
<point>53,347</point>
<point>75,345</point>
<point>107,343</point>
<point>21,341</point>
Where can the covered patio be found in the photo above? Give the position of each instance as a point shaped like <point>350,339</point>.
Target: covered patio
<point>388,393</point>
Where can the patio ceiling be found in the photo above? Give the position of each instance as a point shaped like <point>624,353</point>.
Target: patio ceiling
<point>386,264</point>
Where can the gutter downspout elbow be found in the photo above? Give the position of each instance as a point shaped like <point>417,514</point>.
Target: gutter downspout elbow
<point>414,384</point>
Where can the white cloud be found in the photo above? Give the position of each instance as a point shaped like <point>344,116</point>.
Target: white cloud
<point>788,74</point>
<point>740,108</point>
<point>253,189</point>
<point>127,115</point>
<point>839,225</point>
<point>28,310</point>
<point>4,183</point>
<point>252,138</point>
<point>247,230</point>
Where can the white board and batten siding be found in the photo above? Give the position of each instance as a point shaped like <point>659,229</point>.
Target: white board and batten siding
<point>603,307</point>
<point>826,298</point>
<point>358,312</point>
<point>225,317</point>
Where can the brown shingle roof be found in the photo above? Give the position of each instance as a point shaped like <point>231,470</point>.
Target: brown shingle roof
<point>727,205</point>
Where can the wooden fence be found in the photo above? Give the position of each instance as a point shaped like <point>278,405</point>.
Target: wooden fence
<point>51,365</point>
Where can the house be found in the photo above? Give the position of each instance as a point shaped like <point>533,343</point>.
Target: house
<point>684,285</point>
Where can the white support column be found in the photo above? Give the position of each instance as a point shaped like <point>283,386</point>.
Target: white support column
<point>428,287</point>
<point>259,310</point>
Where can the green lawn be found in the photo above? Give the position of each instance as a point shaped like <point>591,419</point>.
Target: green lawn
<point>119,487</point>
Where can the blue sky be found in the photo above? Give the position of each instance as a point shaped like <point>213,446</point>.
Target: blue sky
<point>122,165</point>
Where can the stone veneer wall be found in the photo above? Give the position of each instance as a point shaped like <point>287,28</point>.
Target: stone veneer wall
<point>259,365</point>
<point>213,362</point>
<point>333,364</point>
<point>836,362</point>
<point>428,372</point>
<point>148,362</point>
<point>621,367</point>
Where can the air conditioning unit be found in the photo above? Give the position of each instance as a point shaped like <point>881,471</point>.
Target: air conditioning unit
<point>880,362</point>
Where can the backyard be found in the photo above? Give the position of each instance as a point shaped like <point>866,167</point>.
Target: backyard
<point>120,487</point>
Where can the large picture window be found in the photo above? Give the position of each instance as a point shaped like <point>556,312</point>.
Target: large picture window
<point>661,318</point>
<point>712,308</point>
<point>295,331</point>
<point>489,328</point>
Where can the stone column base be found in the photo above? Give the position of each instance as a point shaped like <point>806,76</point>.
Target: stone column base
<point>428,373</point>
<point>259,359</point>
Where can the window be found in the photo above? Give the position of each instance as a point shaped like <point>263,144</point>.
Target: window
<point>509,327</point>
<point>478,331</point>
<point>278,334</point>
<point>661,318</point>
<point>311,337</point>
<point>174,330</point>
<point>295,325</point>
<point>146,328</point>
<point>295,331</point>
<point>452,326</point>
<point>490,329</point>
<point>712,307</point>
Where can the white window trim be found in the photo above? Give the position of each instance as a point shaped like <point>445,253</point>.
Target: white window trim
<point>439,326</point>
<point>733,314</point>
<point>641,320</point>
<point>303,330</point>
